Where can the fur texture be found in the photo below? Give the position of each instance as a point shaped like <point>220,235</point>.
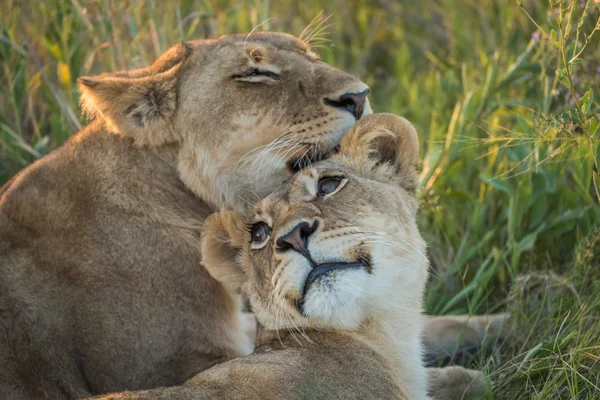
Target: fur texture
<point>351,333</point>
<point>101,283</point>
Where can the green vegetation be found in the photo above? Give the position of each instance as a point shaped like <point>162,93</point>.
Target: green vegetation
<point>505,96</point>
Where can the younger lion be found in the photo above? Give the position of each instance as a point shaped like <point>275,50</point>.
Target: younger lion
<point>335,268</point>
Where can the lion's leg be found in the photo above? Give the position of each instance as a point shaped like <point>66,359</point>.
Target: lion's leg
<point>447,336</point>
<point>454,383</point>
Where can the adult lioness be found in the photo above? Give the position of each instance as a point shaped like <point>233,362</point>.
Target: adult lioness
<point>334,267</point>
<point>101,286</point>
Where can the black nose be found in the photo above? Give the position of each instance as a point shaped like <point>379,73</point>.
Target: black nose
<point>352,102</point>
<point>297,239</point>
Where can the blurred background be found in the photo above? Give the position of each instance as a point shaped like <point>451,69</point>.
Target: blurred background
<point>503,95</point>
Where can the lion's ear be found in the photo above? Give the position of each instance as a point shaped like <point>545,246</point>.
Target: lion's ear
<point>383,144</point>
<point>138,103</point>
<point>222,241</point>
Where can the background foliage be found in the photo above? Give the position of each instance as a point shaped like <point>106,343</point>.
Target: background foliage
<point>502,93</point>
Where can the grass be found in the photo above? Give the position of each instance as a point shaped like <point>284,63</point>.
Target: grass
<point>502,93</point>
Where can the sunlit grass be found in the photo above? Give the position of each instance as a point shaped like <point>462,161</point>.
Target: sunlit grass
<point>503,97</point>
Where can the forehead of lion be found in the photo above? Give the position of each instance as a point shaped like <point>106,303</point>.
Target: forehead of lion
<point>274,40</point>
<point>260,45</point>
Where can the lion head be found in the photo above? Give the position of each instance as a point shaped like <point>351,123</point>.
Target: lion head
<point>240,113</point>
<point>338,243</point>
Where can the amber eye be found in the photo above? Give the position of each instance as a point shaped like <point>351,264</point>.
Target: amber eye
<point>260,233</point>
<point>328,185</point>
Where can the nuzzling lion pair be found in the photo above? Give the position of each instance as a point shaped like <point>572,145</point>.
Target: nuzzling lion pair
<point>334,268</point>
<point>102,287</point>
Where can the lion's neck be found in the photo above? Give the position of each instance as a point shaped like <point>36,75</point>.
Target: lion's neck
<point>136,178</point>
<point>222,180</point>
<point>395,336</point>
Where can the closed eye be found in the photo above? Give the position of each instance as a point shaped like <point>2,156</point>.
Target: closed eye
<point>256,75</point>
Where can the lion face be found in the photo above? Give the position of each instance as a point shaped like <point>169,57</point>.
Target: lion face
<point>243,111</point>
<point>338,242</point>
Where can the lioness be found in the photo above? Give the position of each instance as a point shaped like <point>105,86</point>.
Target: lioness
<point>335,268</point>
<point>101,283</point>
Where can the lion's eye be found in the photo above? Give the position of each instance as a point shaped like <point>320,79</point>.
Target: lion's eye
<point>258,72</point>
<point>329,185</point>
<point>256,75</point>
<point>260,234</point>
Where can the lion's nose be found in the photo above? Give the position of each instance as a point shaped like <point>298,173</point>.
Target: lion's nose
<point>297,238</point>
<point>351,102</point>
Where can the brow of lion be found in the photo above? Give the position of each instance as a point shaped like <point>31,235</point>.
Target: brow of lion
<point>262,57</point>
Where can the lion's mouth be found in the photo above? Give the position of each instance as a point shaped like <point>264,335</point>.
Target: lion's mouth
<point>321,270</point>
<point>311,156</point>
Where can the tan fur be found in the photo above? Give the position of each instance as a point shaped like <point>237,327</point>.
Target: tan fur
<point>101,283</point>
<point>447,336</point>
<point>307,353</point>
<point>455,383</point>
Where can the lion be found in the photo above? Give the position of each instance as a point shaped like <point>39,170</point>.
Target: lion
<point>335,269</point>
<point>102,287</point>
<point>101,283</point>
